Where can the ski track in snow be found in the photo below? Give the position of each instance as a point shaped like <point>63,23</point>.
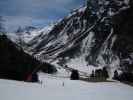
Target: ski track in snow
<point>52,89</point>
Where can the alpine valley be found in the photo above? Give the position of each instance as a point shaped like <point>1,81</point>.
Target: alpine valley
<point>95,35</point>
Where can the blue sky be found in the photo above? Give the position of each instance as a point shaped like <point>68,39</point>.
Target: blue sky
<point>35,12</point>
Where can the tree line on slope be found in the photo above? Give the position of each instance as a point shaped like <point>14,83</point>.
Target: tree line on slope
<point>18,65</point>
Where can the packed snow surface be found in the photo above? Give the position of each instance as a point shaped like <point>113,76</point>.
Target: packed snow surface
<point>53,88</point>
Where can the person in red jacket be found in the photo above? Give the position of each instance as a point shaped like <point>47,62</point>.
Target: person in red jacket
<point>32,78</point>
<point>29,78</point>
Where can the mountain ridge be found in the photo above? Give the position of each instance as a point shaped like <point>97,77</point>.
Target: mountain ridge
<point>88,36</point>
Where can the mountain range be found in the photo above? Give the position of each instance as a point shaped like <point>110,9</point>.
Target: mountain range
<point>96,35</point>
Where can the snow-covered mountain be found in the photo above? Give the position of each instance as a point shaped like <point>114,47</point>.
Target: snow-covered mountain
<point>28,33</point>
<point>93,35</point>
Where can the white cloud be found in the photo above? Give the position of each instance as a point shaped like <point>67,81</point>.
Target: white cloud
<point>27,12</point>
<point>14,22</point>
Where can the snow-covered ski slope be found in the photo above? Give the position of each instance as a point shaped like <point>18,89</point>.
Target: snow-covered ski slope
<point>53,88</point>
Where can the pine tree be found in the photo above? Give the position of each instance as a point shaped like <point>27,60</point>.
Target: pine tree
<point>74,75</point>
<point>105,72</point>
<point>93,74</point>
<point>115,75</point>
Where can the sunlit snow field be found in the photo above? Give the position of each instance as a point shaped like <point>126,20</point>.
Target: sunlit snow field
<point>53,88</point>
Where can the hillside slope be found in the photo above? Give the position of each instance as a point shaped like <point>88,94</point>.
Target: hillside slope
<point>16,64</point>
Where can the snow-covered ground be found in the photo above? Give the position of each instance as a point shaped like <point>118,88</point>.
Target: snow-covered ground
<point>53,88</point>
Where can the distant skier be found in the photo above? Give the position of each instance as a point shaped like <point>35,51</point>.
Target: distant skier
<point>63,84</point>
<point>40,82</point>
<point>29,78</point>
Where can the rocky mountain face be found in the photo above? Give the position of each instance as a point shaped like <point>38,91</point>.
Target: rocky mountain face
<point>99,34</point>
<point>123,46</point>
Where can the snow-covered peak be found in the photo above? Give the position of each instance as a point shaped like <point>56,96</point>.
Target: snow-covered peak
<point>46,29</point>
<point>87,36</point>
<point>28,33</point>
<point>79,10</point>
